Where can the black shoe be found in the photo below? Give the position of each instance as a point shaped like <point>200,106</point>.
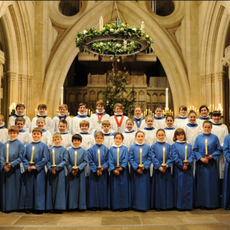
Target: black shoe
<point>158,209</point>
<point>101,209</point>
<point>202,207</point>
<point>121,210</point>
<point>94,209</point>
<point>27,211</point>
<point>59,211</point>
<point>38,212</point>
<point>51,211</point>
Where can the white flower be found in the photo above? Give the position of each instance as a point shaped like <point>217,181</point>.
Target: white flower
<point>134,29</point>
<point>122,29</point>
<point>111,30</point>
<point>101,43</point>
<point>147,36</point>
<point>84,31</point>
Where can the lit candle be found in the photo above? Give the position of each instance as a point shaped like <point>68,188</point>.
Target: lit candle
<point>118,157</point>
<point>163,155</point>
<point>125,44</point>
<point>140,156</point>
<point>166,98</point>
<point>185,157</point>
<point>206,147</point>
<point>143,26</point>
<point>7,153</point>
<point>101,24</point>
<point>99,158</point>
<point>53,152</point>
<point>75,162</point>
<point>32,154</point>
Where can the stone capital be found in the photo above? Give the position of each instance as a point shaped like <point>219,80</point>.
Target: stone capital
<point>220,76</point>
<point>11,75</point>
<point>225,62</point>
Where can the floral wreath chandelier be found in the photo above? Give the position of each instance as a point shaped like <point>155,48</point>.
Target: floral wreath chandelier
<point>114,40</point>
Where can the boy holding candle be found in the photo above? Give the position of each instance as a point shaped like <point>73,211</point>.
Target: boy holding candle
<point>42,108</point>
<point>182,120</point>
<point>129,134</point>
<point>159,120</point>
<point>20,109</point>
<point>78,159</point>
<point>162,181</point>
<point>169,129</point>
<point>207,149</point>
<point>150,131</point>
<point>11,157</point>
<point>23,135</point>
<point>34,160</point>
<point>119,178</point>
<point>118,121</point>
<point>56,189</point>
<point>97,197</point>
<point>63,109</point>
<point>66,137</point>
<point>3,130</point>
<point>108,133</point>
<point>140,160</point>
<point>80,117</point>
<point>204,115</point>
<point>139,122</point>
<point>183,157</point>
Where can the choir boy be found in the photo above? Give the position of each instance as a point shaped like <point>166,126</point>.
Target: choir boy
<point>66,137</point>
<point>20,109</point>
<point>23,136</point>
<point>97,197</point>
<point>129,134</point>
<point>63,109</point>
<point>78,159</point>
<point>149,130</point>
<point>3,130</point>
<point>11,157</point>
<point>204,115</point>
<point>108,133</point>
<point>34,160</point>
<point>182,120</point>
<point>56,189</point>
<point>80,117</point>
<point>162,181</point>
<point>139,122</point>
<point>207,149</point>
<point>119,178</point>
<point>140,160</point>
<point>183,157</point>
<point>42,109</point>
<point>169,129</point>
<point>159,122</point>
<point>118,121</point>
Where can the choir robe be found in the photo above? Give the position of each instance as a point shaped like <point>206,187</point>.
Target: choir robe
<point>221,131</point>
<point>150,135</point>
<point>76,122</point>
<point>192,131</point>
<point>10,183</point>
<point>119,185</point>
<point>140,183</point>
<point>35,182</point>
<point>27,125</point>
<point>183,180</point>
<point>56,189</point>
<point>77,184</point>
<point>162,183</point>
<point>66,140</point>
<point>159,123</point>
<point>108,139</point>
<point>169,135</point>
<point>129,138</point>
<point>226,181</point>
<point>3,133</point>
<point>139,123</point>
<point>114,124</point>
<point>94,122</point>
<point>201,120</point>
<point>207,181</point>
<point>56,121</point>
<point>48,121</point>
<point>180,122</point>
<point>98,192</point>
<point>25,137</point>
<point>47,138</point>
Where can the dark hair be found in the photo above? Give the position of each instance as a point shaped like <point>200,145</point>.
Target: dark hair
<point>178,132</point>
<point>191,111</point>
<point>42,106</point>
<point>82,104</point>
<point>169,116</point>
<point>63,122</point>
<point>77,137</point>
<point>203,106</point>
<point>20,119</point>
<point>119,134</point>
<point>207,122</point>
<point>139,132</point>
<point>20,105</point>
<point>216,113</point>
<point>183,107</point>
<point>160,130</point>
<point>158,107</point>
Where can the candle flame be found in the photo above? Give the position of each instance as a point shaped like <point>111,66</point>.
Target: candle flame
<point>7,145</point>
<point>75,152</point>
<point>164,148</point>
<point>53,150</point>
<point>98,150</point>
<point>143,22</point>
<point>33,147</point>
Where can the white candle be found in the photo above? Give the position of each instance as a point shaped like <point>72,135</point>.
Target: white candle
<point>118,150</point>
<point>185,157</point>
<point>206,147</point>
<point>166,99</point>
<point>7,153</point>
<point>125,44</point>
<point>101,24</point>
<point>140,156</point>
<point>53,152</point>
<point>99,158</point>
<point>163,155</point>
<point>75,162</point>
<point>32,155</point>
<point>143,26</point>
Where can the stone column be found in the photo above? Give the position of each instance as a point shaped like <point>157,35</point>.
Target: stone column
<point>2,62</point>
<point>12,88</point>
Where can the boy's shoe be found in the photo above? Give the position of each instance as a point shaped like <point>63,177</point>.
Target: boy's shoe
<point>27,211</point>
<point>38,212</point>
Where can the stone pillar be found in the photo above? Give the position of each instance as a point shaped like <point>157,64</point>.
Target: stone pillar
<point>12,88</point>
<point>2,62</point>
<point>203,89</point>
<point>220,88</point>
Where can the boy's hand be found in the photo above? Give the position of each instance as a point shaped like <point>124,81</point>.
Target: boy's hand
<point>99,173</point>
<point>186,164</point>
<point>142,168</point>
<point>74,172</point>
<point>8,165</point>
<point>185,168</point>
<point>119,169</point>
<point>163,170</point>
<point>209,157</point>
<point>54,170</point>
<point>204,160</point>
<point>6,169</point>
<point>101,169</point>
<point>116,172</point>
<point>29,169</point>
<point>139,171</point>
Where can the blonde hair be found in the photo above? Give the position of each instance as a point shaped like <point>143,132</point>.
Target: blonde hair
<point>56,135</point>
<point>119,105</point>
<point>41,119</point>
<point>139,132</point>
<point>149,116</point>
<point>99,133</point>
<point>84,122</point>
<point>100,102</point>
<point>1,117</point>
<point>37,130</point>
<point>131,120</point>
<point>13,128</point>
<point>63,106</point>
<point>106,122</point>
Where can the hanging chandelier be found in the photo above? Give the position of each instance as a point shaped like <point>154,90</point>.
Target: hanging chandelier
<point>116,39</point>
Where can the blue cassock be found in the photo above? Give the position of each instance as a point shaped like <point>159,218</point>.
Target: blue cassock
<point>56,189</point>
<point>226,181</point>
<point>11,179</point>
<point>98,194</point>
<point>140,183</point>
<point>77,184</point>
<point>1,145</point>
<point>207,178</point>
<point>162,185</point>
<point>119,185</point>
<point>35,182</point>
<point>183,180</point>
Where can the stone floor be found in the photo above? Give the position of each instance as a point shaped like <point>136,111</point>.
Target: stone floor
<point>127,220</point>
